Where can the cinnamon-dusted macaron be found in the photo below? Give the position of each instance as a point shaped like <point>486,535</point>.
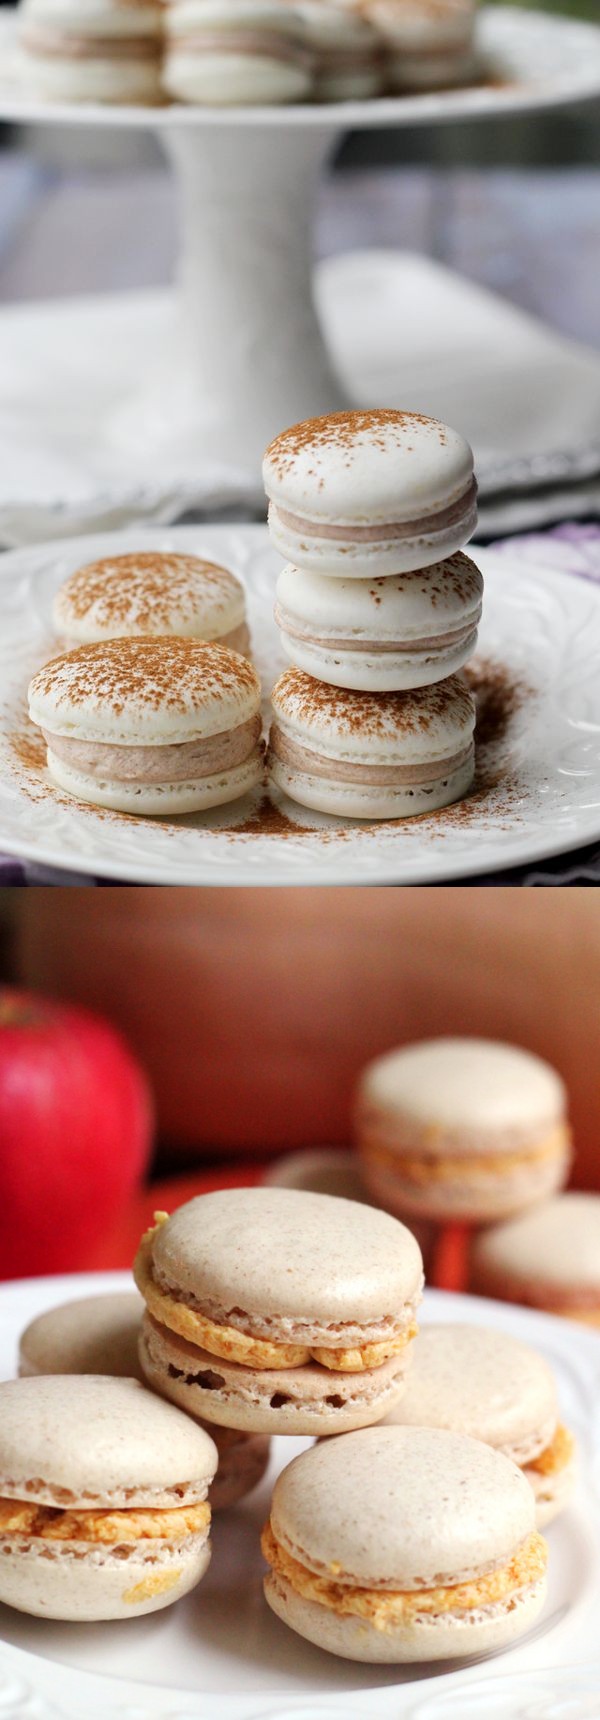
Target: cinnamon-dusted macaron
<point>473,1380</point>
<point>430,43</point>
<point>91,1335</point>
<point>148,593</point>
<point>371,755</point>
<point>548,1259</point>
<point>158,726</point>
<point>360,495</point>
<point>91,50</point>
<point>381,635</point>
<point>103,1498</point>
<point>404,1544</point>
<point>279,1311</point>
<point>232,53</point>
<point>462,1127</point>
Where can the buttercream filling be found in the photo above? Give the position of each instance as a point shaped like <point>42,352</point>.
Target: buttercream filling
<point>267,44</point>
<point>329,642</point>
<point>385,1609</point>
<point>107,1528</point>
<point>69,46</point>
<point>296,756</point>
<point>184,762</point>
<point>395,529</point>
<point>556,1456</point>
<point>425,1168</point>
<point>236,1345</point>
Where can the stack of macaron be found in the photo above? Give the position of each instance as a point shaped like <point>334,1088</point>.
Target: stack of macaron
<point>378,610</point>
<point>92,50</point>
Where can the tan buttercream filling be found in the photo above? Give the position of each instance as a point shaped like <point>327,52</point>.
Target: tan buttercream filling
<point>298,757</point>
<point>107,1528</point>
<point>185,762</point>
<point>381,533</point>
<point>385,1609</point>
<point>236,1346</point>
<point>427,1167</point>
<point>556,1456</point>
<point>297,630</point>
<point>268,45</point>
<point>71,47</point>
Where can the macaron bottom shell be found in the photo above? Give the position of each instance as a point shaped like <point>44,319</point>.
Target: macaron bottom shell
<point>227,79</point>
<point>440,1637</point>
<point>241,1467</point>
<point>490,1194</point>
<point>337,558</point>
<point>360,800</point>
<point>77,1583</point>
<point>378,672</point>
<point>49,78</point>
<point>160,800</point>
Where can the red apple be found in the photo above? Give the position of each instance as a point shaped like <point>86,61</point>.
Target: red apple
<point>75,1133</point>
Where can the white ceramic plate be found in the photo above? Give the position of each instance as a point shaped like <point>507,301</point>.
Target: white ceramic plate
<point>539,786</point>
<point>528,59</point>
<point>221,1655</point>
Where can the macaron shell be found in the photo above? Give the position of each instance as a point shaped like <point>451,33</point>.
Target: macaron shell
<point>168,800</point>
<point>99,1584</point>
<point>556,1249</point>
<point>149,593</point>
<point>467,1085</point>
<point>144,692</point>
<point>483,1383</point>
<point>345,800</point>
<point>349,560</point>
<point>368,672</point>
<point>241,1467</point>
<point>92,1335</point>
<point>100,80</point>
<point>367,468</point>
<point>424,728</point>
<point>227,79</point>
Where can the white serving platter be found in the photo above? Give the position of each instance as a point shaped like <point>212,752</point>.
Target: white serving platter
<point>221,1655</point>
<point>538,788</point>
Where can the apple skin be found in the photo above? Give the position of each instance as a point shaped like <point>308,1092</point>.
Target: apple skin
<point>76,1130</point>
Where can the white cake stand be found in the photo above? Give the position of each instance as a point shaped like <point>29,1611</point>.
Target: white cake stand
<point>247,356</point>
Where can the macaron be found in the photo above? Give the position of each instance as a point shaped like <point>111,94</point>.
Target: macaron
<point>381,635</point>
<point>91,50</point>
<point>548,1259</point>
<point>273,1310</point>
<point>469,1379</point>
<point>230,53</point>
<point>92,1335</point>
<point>371,755</point>
<point>147,593</point>
<point>404,1544</point>
<point>103,1498</point>
<point>462,1128</point>
<point>430,43</point>
<point>360,495</point>
<point>347,57</point>
<point>319,1170</point>
<point>157,726</point>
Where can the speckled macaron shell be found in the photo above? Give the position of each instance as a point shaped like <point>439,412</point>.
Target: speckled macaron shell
<point>371,755</point>
<point>230,53</point>
<point>462,1100</point>
<point>402,1509</point>
<point>147,594</point>
<point>360,495</point>
<point>88,61</point>
<point>304,1401</point>
<point>548,1259</point>
<point>381,635</point>
<point>92,1335</point>
<point>95,1443</point>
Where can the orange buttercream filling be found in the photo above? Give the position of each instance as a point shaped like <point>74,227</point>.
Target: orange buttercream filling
<point>556,1455</point>
<point>386,1608</point>
<point>105,1528</point>
<point>445,1167</point>
<point>235,1346</point>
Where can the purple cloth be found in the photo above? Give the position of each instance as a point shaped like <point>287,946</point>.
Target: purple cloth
<point>572,548</point>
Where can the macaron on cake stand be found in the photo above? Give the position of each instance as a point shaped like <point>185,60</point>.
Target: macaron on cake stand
<point>246,355</point>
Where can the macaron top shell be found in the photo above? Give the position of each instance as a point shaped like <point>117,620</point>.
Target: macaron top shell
<point>558,1243</point>
<point>92,1335</point>
<point>95,18</point>
<point>426,25</point>
<point>467,1083</point>
<point>189,17</point>
<point>399,607</point>
<point>148,593</point>
<point>483,1383</point>
<point>379,728</point>
<point>330,27</point>
<point>89,1440</point>
<point>367,468</point>
<point>402,1508</point>
<point>286,1253</point>
<point>144,692</point>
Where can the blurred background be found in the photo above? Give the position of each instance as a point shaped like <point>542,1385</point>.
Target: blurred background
<point>252,1012</point>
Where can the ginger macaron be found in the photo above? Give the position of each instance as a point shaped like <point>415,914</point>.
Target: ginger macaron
<point>147,593</point>
<point>103,1498</point>
<point>361,495</point>
<point>547,1259</point>
<point>371,755</point>
<point>404,1544</point>
<point>92,50</point>
<point>275,1310</point>
<point>462,1128</point>
<point>469,1379</point>
<point>156,726</point>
